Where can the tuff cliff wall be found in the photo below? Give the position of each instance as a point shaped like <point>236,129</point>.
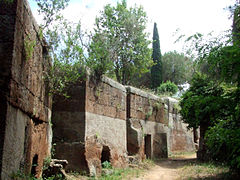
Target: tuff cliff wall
<point>106,121</point>
<point>24,100</point>
<point>92,123</point>
<point>69,127</point>
<point>155,128</point>
<point>180,139</point>
<point>147,128</point>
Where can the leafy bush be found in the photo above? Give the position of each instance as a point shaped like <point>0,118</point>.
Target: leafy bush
<point>203,102</point>
<point>223,141</point>
<point>215,106</point>
<point>219,59</point>
<point>168,88</point>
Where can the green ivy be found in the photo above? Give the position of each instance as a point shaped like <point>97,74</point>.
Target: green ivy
<point>29,46</point>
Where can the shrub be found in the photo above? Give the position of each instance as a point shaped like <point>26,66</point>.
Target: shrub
<point>223,141</point>
<point>168,88</point>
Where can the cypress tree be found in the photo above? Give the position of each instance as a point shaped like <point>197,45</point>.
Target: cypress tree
<point>156,70</point>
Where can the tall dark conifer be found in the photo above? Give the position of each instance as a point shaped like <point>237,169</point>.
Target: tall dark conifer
<point>156,70</point>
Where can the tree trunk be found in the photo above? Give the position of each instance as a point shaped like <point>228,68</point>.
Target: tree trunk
<point>202,151</point>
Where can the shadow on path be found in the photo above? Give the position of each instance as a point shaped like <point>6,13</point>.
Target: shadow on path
<point>175,163</point>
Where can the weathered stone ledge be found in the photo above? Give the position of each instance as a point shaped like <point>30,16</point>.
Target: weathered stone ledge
<point>113,83</point>
<point>142,93</point>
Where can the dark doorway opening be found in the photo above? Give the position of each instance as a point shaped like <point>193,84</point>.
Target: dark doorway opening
<point>34,165</point>
<point>105,154</point>
<point>147,146</point>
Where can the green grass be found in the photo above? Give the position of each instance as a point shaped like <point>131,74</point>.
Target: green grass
<point>198,170</point>
<point>118,174</point>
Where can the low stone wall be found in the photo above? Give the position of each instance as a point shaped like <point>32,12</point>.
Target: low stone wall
<point>24,100</point>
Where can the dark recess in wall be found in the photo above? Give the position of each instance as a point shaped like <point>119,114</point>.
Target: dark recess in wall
<point>105,154</point>
<point>147,146</point>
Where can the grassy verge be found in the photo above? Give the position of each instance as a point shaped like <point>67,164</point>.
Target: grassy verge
<point>118,174</point>
<point>198,170</point>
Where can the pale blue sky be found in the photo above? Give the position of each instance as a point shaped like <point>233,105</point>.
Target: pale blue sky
<point>190,16</point>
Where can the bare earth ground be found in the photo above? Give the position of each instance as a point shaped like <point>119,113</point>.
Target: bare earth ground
<point>177,167</point>
<point>167,169</point>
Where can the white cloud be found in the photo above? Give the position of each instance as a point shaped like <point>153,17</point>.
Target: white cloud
<point>189,16</point>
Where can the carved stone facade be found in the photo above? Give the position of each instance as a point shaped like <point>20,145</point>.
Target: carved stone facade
<point>92,118</point>
<point>104,120</point>
<point>147,125</point>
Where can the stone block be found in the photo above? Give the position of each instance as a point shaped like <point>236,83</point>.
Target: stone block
<point>74,153</point>
<point>68,126</point>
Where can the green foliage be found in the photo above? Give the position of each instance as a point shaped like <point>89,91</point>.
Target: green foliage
<point>203,102</point>
<point>222,61</point>
<point>149,113</point>
<point>40,33</point>
<point>51,10</point>
<point>20,175</point>
<point>177,106</point>
<point>176,68</point>
<point>8,1</point>
<point>214,99</point>
<point>106,165</point>
<point>157,105</point>
<point>100,60</point>
<point>46,162</point>
<point>126,173</point>
<point>223,140</point>
<point>55,177</point>
<point>65,40</point>
<point>29,46</point>
<point>218,57</point>
<point>62,75</point>
<point>168,88</point>
<point>119,46</point>
<point>156,70</point>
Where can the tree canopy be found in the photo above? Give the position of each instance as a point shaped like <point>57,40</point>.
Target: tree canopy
<point>213,99</point>
<point>203,103</point>
<point>65,45</point>
<point>119,44</point>
<point>176,67</point>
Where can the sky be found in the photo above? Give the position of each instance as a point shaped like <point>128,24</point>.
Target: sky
<point>189,16</point>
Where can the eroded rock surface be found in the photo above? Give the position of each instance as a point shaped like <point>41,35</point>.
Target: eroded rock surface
<point>25,104</point>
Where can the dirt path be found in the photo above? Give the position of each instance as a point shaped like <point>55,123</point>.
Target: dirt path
<point>167,169</point>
